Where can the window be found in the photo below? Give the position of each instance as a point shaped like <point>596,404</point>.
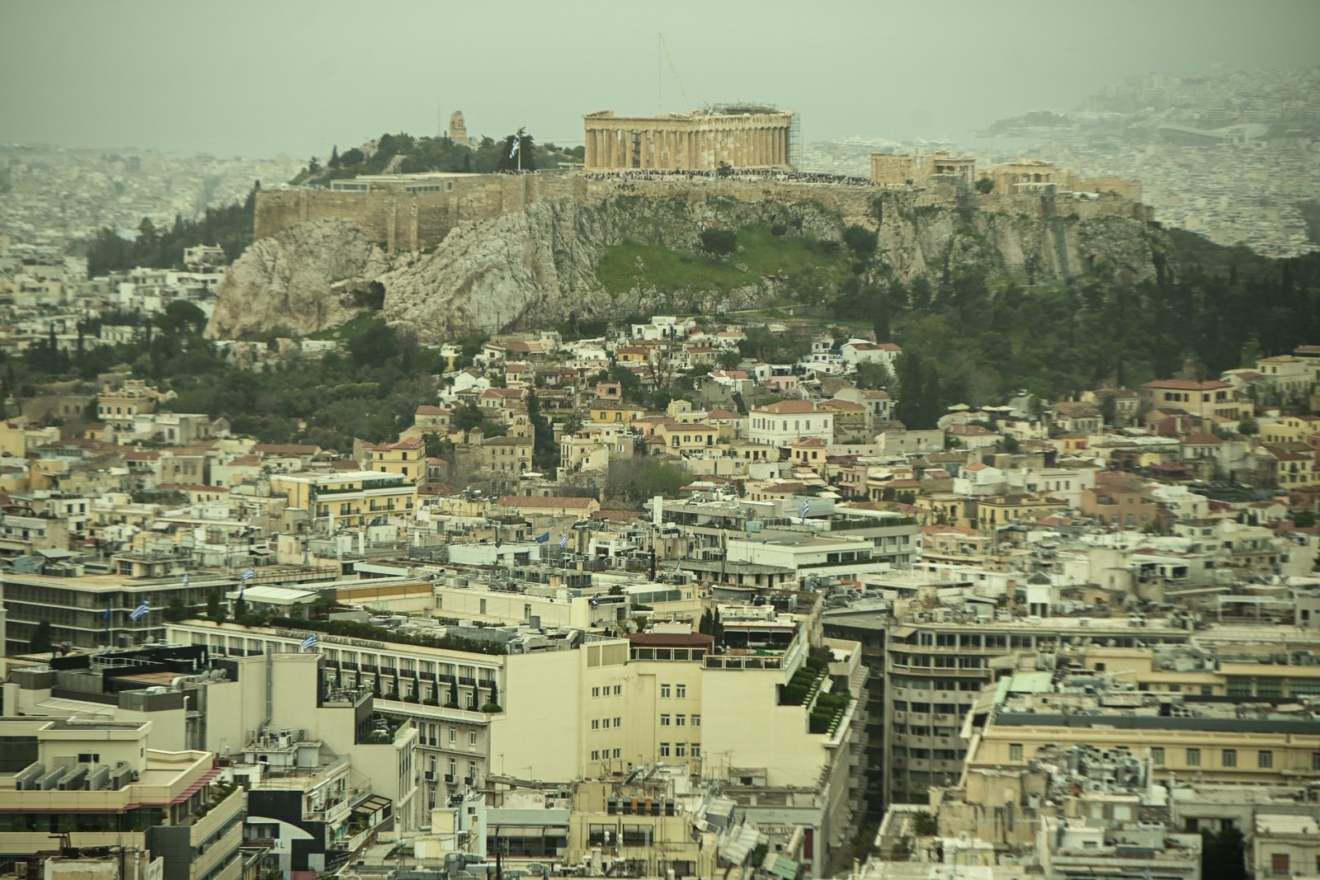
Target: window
<point>618,722</point>
<point>664,750</point>
<point>618,689</point>
<point>1315,763</point>
<point>680,750</point>
<point>696,750</point>
<point>595,692</point>
<point>696,721</point>
<point>595,724</point>
<point>680,720</point>
<point>680,691</point>
<point>1157,756</point>
<point>1230,757</point>
<point>472,737</point>
<point>664,720</point>
<point>1193,757</point>
<point>595,755</point>
<point>1280,863</point>
<point>89,758</point>
<point>453,734</point>
<point>616,753</point>
<point>1015,751</point>
<point>1265,759</point>
<point>664,691</point>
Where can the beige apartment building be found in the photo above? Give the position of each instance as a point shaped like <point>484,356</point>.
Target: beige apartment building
<point>118,406</point>
<point>607,706</point>
<point>406,457</point>
<point>929,668</point>
<point>1216,742</point>
<point>98,781</point>
<point>347,498</point>
<point>1203,399</point>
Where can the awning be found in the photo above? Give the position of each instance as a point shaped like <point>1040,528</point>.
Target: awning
<point>523,830</point>
<point>373,804</point>
<point>904,631</point>
<point>196,786</point>
<point>785,868</point>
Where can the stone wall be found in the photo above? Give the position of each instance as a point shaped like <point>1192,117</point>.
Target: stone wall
<point>400,221</point>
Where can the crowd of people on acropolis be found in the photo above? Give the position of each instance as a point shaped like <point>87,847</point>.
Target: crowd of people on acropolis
<point>768,174</point>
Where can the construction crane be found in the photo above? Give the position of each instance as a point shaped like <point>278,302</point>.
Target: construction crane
<point>664,46</point>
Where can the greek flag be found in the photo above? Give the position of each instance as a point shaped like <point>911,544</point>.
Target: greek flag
<point>249,573</point>
<point>309,642</point>
<point>516,143</point>
<point>806,508</point>
<point>563,540</point>
<point>140,612</point>
<point>185,578</point>
<point>678,566</point>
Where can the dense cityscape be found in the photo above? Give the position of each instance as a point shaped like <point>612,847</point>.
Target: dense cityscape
<point>682,501</point>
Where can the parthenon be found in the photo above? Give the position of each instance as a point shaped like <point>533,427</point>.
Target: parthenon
<point>744,136</point>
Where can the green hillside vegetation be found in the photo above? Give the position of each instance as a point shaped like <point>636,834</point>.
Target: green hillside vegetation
<point>229,227</point>
<point>978,338</point>
<point>405,154</point>
<point>970,334</point>
<point>762,250</point>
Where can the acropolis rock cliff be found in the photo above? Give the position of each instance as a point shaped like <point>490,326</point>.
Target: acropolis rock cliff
<point>530,259</point>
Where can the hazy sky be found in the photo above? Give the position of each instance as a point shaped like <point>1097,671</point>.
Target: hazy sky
<point>260,78</point>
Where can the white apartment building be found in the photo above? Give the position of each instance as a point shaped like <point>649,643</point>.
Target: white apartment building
<point>784,423</point>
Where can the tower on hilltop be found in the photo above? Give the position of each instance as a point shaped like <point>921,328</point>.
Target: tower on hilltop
<point>458,128</point>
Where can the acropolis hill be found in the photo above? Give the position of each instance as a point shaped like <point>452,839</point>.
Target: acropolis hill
<point>456,253</point>
<point>416,212</point>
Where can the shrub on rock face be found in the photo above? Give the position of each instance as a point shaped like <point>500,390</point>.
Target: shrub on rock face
<point>719,242</point>
<point>860,240</point>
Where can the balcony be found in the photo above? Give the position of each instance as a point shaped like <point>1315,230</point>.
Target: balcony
<point>728,661</point>
<point>429,712</point>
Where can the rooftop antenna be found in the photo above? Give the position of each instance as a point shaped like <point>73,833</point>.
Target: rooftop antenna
<point>677,82</point>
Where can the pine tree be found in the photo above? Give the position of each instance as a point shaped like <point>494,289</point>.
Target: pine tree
<point>41,643</point>
<point>911,384</point>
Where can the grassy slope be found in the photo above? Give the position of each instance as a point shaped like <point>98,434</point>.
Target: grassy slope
<point>762,252</point>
